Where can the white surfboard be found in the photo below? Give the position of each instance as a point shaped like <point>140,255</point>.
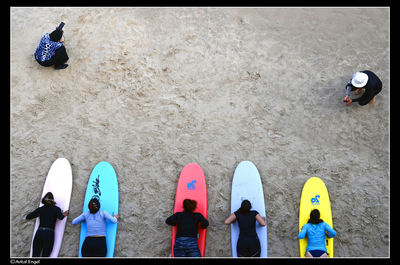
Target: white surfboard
<point>246,185</point>
<point>58,182</point>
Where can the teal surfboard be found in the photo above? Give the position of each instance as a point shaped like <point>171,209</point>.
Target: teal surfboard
<point>103,185</point>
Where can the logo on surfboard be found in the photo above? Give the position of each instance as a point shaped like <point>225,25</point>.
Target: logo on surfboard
<point>191,185</point>
<point>96,186</point>
<point>315,200</point>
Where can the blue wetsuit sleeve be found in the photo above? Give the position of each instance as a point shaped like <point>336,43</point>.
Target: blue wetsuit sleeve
<point>109,217</point>
<point>331,232</point>
<point>79,219</point>
<point>303,232</point>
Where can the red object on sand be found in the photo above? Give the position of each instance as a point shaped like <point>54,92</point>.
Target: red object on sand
<point>192,185</point>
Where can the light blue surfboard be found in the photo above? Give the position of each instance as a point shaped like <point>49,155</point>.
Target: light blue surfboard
<point>246,185</point>
<point>103,185</point>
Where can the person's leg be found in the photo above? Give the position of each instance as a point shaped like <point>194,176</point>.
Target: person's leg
<point>61,58</point>
<point>37,244</point>
<point>308,255</point>
<point>179,250</point>
<point>48,242</point>
<point>86,247</point>
<point>192,249</point>
<point>100,247</point>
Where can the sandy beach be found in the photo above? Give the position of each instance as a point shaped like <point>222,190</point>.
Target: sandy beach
<point>152,89</point>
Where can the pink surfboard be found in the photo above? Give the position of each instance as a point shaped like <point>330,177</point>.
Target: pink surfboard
<point>192,185</point>
<point>59,182</point>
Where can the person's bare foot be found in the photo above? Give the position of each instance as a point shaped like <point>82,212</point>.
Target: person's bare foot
<point>372,100</point>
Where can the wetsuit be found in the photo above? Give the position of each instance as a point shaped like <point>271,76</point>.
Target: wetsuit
<point>44,237</point>
<point>372,88</point>
<point>248,244</point>
<point>186,236</point>
<point>316,237</point>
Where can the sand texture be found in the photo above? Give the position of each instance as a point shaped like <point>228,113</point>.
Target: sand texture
<point>152,89</point>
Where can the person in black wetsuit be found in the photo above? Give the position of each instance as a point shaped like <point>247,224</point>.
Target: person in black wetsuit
<point>44,237</point>
<point>367,80</point>
<point>186,236</point>
<point>248,244</point>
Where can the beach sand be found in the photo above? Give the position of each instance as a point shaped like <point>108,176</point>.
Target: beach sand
<point>152,89</point>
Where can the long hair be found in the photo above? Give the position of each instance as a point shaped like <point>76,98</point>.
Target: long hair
<point>189,205</point>
<point>48,199</point>
<point>314,217</point>
<point>245,207</point>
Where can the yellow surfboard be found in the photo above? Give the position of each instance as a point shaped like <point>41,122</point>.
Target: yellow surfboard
<point>315,196</point>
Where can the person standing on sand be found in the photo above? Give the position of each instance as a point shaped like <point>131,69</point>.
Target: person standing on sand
<point>51,50</point>
<point>367,80</point>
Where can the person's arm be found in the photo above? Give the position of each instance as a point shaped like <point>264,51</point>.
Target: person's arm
<point>111,218</point>
<point>33,214</point>
<point>261,220</point>
<point>231,219</point>
<point>203,221</point>
<point>79,219</point>
<point>60,214</point>
<point>172,219</point>
<point>303,232</point>
<point>329,230</point>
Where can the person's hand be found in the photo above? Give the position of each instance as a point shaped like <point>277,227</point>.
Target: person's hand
<point>347,100</point>
<point>116,216</point>
<point>66,213</point>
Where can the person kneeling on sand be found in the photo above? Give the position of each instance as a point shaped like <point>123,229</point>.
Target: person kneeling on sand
<point>367,80</point>
<point>186,236</point>
<point>51,50</point>
<point>315,231</point>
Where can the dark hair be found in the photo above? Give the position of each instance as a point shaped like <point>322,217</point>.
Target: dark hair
<point>56,35</point>
<point>94,205</point>
<point>314,217</point>
<point>189,205</point>
<point>48,199</point>
<point>245,206</point>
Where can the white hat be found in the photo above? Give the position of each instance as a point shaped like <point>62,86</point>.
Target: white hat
<point>359,79</point>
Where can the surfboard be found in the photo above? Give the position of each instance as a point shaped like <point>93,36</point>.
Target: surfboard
<point>315,196</point>
<point>103,185</point>
<point>246,185</point>
<point>192,185</point>
<point>58,182</point>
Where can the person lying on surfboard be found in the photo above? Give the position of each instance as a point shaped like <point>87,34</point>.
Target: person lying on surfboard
<point>248,244</point>
<point>315,231</point>
<point>95,244</point>
<point>186,236</point>
<point>44,237</point>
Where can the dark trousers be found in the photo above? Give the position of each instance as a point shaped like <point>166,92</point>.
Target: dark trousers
<point>94,247</point>
<point>43,241</point>
<point>248,247</point>
<point>59,58</point>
